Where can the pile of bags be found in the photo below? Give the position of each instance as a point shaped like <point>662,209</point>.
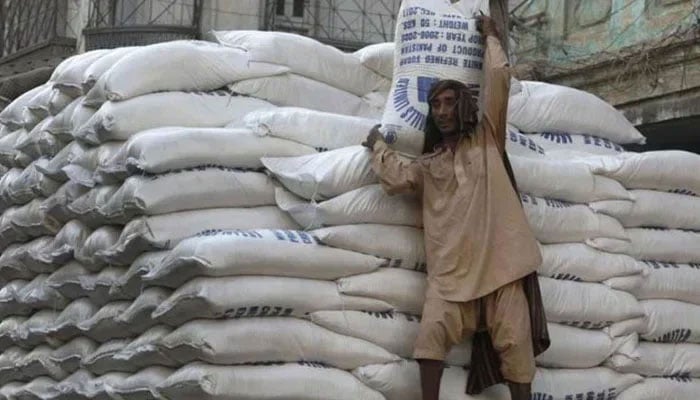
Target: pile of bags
<point>218,233</point>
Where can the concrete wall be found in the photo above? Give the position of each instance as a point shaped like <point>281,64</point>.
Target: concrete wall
<point>230,15</point>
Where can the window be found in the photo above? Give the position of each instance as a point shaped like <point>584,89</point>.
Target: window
<point>280,7</point>
<point>298,8</point>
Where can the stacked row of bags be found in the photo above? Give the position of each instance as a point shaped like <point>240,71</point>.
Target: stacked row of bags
<point>165,262</point>
<point>90,208</point>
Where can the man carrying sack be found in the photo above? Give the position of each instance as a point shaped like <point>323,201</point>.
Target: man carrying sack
<point>482,255</point>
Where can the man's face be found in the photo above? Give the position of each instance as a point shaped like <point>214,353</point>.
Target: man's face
<point>444,109</point>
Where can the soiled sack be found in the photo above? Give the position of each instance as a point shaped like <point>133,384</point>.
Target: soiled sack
<point>38,362</point>
<point>82,167</point>
<point>141,384</point>
<point>12,114</point>
<point>257,252</point>
<point>665,359</point>
<point>378,57</point>
<point>67,280</point>
<point>63,246</point>
<point>167,149</point>
<point>87,207</point>
<point>645,210</point>
<point>256,296</point>
<point>320,130</point>
<point>302,380</point>
<point>8,364</point>
<point>191,189</point>
<point>120,120</point>
<point>369,204</point>
<point>554,221</point>
<point>143,352</point>
<point>68,75</point>
<point>138,316</point>
<point>56,205</point>
<point>165,231</point>
<point>130,283</point>
<point>402,246</point>
<point>305,56</point>
<point>103,325</point>
<point>65,326</point>
<point>544,107</point>
<point>100,240</point>
<point>268,339</point>
<point>102,359</point>
<point>69,356</point>
<point>293,90</point>
<point>201,66</point>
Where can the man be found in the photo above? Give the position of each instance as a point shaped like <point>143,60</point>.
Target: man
<point>482,255</point>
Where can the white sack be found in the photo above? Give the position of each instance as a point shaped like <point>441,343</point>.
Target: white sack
<point>403,289</point>
<point>34,330</point>
<point>54,168</point>
<point>140,385</point>
<point>65,326</point>
<point>435,40</point>
<point>305,56</point>
<point>82,168</point>
<point>96,388</point>
<point>120,120</point>
<point>8,330</point>
<point>39,104</point>
<point>38,294</point>
<point>555,221</point>
<point>67,280</point>
<point>87,207</point>
<point>9,304</point>
<point>61,125</point>
<point>564,180</point>
<point>143,352</point>
<point>586,305</point>
<point>39,388</point>
<point>7,148</point>
<point>191,189</point>
<point>268,339</point>
<point>670,388</point>
<point>56,205</point>
<point>324,175</point>
<point>378,57</point>
<point>12,114</point>
<point>38,362</point>
<point>166,231</point>
<point>257,252</point>
<point>63,246</point>
<point>138,316</point>
<point>662,281</point>
<point>68,75</point>
<point>8,364</point>
<point>12,266</point>
<point>580,262</point>
<point>545,107</point>
<point>27,261</point>
<point>670,321</point>
<point>68,388</point>
<point>201,66</point>
<point>566,384</point>
<point>167,149</point>
<point>98,285</point>
<point>369,204</point>
<point>100,240</point>
<point>31,184</point>
<point>670,245</point>
<point>69,355</point>
<point>668,170</point>
<point>402,246</point>
<point>130,283</point>
<point>321,130</point>
<point>300,381</point>
<point>103,325</point>
<point>102,359</point>
<point>401,381</point>
<point>31,221</point>
<point>647,209</point>
<point>256,296</point>
<point>81,115</point>
<point>665,359</point>
<point>93,73</point>
<point>290,90</point>
<point>557,145</point>
<point>521,145</point>
<point>6,183</point>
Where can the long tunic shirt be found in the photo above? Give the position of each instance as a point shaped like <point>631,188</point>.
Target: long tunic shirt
<point>477,237</point>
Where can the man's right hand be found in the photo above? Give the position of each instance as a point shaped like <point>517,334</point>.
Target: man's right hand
<point>372,138</point>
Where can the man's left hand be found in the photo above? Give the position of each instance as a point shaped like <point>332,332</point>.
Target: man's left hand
<point>372,138</point>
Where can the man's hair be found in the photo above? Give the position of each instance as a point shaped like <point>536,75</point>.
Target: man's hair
<point>464,95</point>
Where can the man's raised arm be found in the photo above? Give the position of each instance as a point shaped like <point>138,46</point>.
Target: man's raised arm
<point>496,82</point>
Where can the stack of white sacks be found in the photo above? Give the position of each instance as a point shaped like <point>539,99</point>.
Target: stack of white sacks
<point>147,255</point>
